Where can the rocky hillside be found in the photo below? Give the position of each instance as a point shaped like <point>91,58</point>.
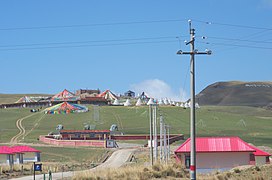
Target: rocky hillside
<point>236,93</point>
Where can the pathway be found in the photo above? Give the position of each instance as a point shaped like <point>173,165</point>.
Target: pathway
<point>117,159</point>
<point>19,125</point>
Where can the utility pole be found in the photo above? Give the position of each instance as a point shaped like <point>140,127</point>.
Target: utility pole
<point>193,52</point>
<point>151,134</point>
<point>161,126</point>
<point>164,144</point>
<point>168,142</point>
<point>155,132</point>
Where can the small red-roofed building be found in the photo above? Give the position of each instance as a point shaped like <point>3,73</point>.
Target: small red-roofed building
<point>6,155</point>
<point>26,154</point>
<point>221,153</point>
<point>261,157</point>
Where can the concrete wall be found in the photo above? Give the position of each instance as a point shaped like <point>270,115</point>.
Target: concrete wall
<point>222,160</point>
<point>260,160</point>
<point>3,159</point>
<point>92,143</point>
<point>219,160</point>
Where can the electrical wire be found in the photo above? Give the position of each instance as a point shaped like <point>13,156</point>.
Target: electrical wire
<point>239,45</point>
<point>240,40</point>
<point>232,25</point>
<point>90,25</point>
<point>90,41</point>
<point>89,45</point>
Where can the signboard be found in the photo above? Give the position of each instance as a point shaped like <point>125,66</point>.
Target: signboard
<point>110,143</point>
<point>37,167</point>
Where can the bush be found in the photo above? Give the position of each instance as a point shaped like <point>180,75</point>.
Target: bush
<point>156,167</point>
<point>237,170</point>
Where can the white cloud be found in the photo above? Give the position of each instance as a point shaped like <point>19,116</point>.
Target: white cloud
<point>158,89</point>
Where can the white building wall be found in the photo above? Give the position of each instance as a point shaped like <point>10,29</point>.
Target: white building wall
<point>222,160</point>
<point>219,160</point>
<point>260,160</point>
<point>3,159</point>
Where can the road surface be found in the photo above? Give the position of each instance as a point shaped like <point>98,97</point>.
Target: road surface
<point>117,159</point>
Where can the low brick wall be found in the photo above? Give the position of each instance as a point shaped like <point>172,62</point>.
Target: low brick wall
<point>91,143</point>
<point>172,137</point>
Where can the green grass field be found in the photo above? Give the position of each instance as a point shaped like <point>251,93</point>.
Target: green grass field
<point>12,98</point>
<point>251,124</point>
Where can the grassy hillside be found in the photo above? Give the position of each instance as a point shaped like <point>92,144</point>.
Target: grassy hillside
<point>251,124</point>
<point>236,93</point>
<point>12,98</point>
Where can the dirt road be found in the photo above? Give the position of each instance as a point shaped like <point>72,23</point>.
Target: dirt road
<point>117,159</point>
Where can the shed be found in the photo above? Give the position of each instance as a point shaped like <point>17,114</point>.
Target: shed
<point>6,155</point>
<point>220,153</point>
<point>26,154</point>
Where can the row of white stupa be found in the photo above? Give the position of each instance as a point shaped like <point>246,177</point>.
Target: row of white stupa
<point>151,101</point>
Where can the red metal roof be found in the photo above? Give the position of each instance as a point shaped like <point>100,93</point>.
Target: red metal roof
<point>259,152</point>
<point>6,150</point>
<point>23,149</point>
<point>216,144</point>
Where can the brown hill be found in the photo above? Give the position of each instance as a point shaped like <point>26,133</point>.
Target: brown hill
<point>236,93</point>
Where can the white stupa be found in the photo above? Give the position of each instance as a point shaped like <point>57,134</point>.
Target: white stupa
<point>127,103</point>
<point>139,102</point>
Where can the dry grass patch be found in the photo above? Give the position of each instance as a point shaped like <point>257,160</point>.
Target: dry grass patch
<point>135,172</point>
<point>242,173</point>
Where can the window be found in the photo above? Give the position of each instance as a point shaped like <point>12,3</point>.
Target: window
<point>251,157</point>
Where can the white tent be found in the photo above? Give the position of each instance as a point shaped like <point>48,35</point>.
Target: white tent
<point>139,102</point>
<point>166,102</point>
<point>177,104</point>
<point>150,101</point>
<point>127,103</point>
<point>186,105</point>
<point>161,102</point>
<point>197,105</point>
<point>116,102</point>
<point>182,105</point>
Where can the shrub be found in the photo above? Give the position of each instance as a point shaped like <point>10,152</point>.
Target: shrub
<point>156,167</point>
<point>237,170</point>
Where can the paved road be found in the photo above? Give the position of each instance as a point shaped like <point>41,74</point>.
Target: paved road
<point>117,159</point>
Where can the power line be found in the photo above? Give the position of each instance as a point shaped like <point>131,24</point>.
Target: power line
<point>90,25</point>
<point>239,45</point>
<point>90,41</point>
<point>232,25</point>
<point>90,45</point>
<point>241,40</point>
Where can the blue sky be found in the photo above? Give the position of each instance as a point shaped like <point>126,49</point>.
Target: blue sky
<point>47,46</point>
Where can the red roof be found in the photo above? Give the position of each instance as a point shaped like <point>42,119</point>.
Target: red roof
<point>6,150</point>
<point>216,144</point>
<point>23,149</point>
<point>259,152</point>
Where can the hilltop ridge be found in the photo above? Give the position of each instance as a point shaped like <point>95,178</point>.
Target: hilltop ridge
<point>237,93</point>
